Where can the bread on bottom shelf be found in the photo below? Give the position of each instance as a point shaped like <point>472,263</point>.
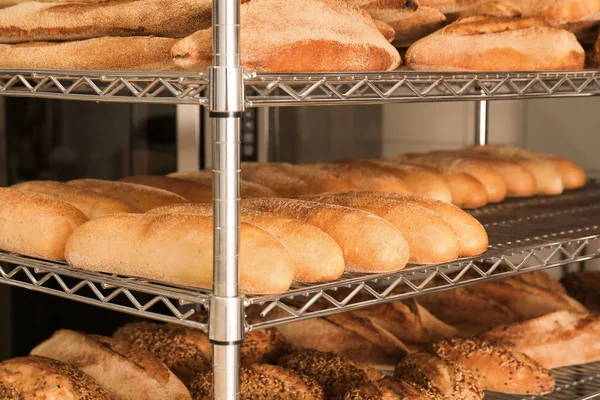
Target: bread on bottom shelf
<point>36,377</point>
<point>192,191</point>
<point>247,189</point>
<point>36,225</point>
<point>126,372</point>
<point>177,249</point>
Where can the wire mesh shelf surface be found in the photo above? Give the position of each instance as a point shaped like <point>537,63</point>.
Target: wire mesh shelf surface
<point>580,382</point>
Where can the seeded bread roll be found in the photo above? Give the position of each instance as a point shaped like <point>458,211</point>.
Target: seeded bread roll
<point>496,367</point>
<point>369,243</point>
<point>112,363</point>
<point>192,191</point>
<point>37,377</point>
<point>36,225</point>
<point>247,189</point>
<point>143,198</point>
<point>408,390</point>
<point>92,204</point>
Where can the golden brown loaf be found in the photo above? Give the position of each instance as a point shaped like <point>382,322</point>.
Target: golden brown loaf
<point>37,377</point>
<point>36,225</point>
<point>369,243</point>
<point>542,279</point>
<point>247,189</point>
<point>497,44</point>
<point>499,8</point>
<point>192,191</point>
<point>111,363</point>
<point>451,6</point>
<point>177,249</point>
<point>386,30</point>
<point>496,367</point>
<point>92,204</point>
<point>371,391</point>
<point>134,53</point>
<point>264,382</point>
<point>430,238</point>
<point>35,21</point>
<point>316,255</point>
<point>554,340</point>
<point>560,12</point>
<point>141,197</point>
<point>408,390</point>
<point>335,374</point>
<point>585,287</point>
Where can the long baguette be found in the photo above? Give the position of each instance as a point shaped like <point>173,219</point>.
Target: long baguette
<point>316,255</point>
<point>281,182</point>
<point>177,249</point>
<point>192,191</point>
<point>92,204</point>
<point>247,189</point>
<point>36,225</point>
<point>324,180</point>
<point>369,243</point>
<point>430,238</point>
<point>143,198</point>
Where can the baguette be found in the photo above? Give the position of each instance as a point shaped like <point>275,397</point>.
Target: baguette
<point>307,36</point>
<point>498,8</point>
<point>93,205</point>
<point>585,287</point>
<point>554,340</point>
<point>451,6</point>
<point>247,189</point>
<point>143,198</point>
<point>37,377</point>
<point>135,53</point>
<point>177,249</point>
<point>324,180</point>
<point>430,238</point>
<point>36,225</point>
<point>192,191</point>
<point>281,182</point>
<point>36,21</point>
<point>497,44</point>
<point>472,236</point>
<point>369,243</point>
<point>496,367</point>
<point>111,363</point>
<point>316,255</point>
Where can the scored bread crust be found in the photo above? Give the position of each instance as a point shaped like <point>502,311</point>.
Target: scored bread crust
<point>497,44</point>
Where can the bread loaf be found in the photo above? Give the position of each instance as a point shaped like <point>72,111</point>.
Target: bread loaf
<point>135,53</point>
<point>497,44</point>
<point>499,8</point>
<point>37,377</point>
<point>92,204</point>
<point>584,287</point>
<point>247,189</point>
<point>472,236</point>
<point>496,367</point>
<point>323,180</point>
<point>143,198</point>
<point>386,30</point>
<point>192,191</point>
<point>316,255</point>
<point>541,279</point>
<point>177,249</point>
<point>391,389</point>
<point>369,243</point>
<point>299,36</point>
<point>36,225</point>
<point>451,6</point>
<point>430,238</point>
<point>111,363</point>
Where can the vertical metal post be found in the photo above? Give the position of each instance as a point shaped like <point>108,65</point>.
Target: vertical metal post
<point>226,106</point>
<point>263,133</point>
<point>188,137</point>
<point>481,123</point>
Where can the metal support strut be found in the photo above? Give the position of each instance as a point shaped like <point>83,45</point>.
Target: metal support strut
<point>226,105</point>
<point>481,123</point>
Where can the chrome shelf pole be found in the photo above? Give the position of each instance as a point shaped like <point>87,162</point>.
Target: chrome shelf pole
<point>481,123</point>
<point>226,105</point>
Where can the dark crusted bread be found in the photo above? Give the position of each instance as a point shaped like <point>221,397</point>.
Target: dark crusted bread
<point>263,382</point>
<point>37,377</point>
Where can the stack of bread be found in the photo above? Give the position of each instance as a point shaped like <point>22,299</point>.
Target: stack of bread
<point>332,358</point>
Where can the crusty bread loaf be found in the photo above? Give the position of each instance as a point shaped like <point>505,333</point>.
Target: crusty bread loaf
<point>497,8</point>
<point>36,21</point>
<point>299,36</point>
<point>386,30</point>
<point>497,44</point>
<point>371,391</point>
<point>584,287</point>
<point>143,198</point>
<point>335,374</point>
<point>192,191</point>
<point>272,177</point>
<point>560,12</point>
<point>247,189</point>
<point>471,234</point>
<point>438,375</point>
<point>542,279</point>
<point>92,204</point>
<point>572,175</point>
<point>36,225</point>
<point>369,243</point>
<point>408,390</point>
<point>316,255</point>
<point>112,363</point>
<point>554,340</point>
<point>36,377</point>
<point>135,53</point>
<point>316,178</point>
<point>496,367</point>
<point>451,6</point>
<point>430,238</point>
<point>177,249</point>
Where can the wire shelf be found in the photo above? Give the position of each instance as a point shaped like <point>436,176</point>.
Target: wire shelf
<point>525,235</point>
<point>580,382</point>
